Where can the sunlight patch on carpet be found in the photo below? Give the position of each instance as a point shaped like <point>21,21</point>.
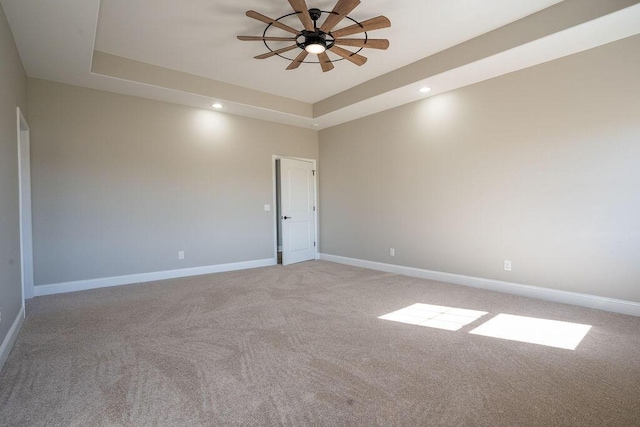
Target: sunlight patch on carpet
<point>552,333</point>
<point>434,316</point>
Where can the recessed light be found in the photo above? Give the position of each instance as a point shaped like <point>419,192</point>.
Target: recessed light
<point>217,105</point>
<point>424,89</point>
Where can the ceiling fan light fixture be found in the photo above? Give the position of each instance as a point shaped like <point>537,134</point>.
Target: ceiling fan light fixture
<point>315,48</point>
<point>315,43</point>
<point>318,39</point>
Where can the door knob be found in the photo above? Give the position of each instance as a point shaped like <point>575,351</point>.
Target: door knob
<point>286,217</point>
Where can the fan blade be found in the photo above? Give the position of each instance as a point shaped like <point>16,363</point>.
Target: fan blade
<point>269,39</point>
<point>276,52</point>
<point>260,17</point>
<point>296,62</point>
<point>340,10</point>
<point>300,8</point>
<point>349,56</point>
<point>325,62</point>
<point>368,43</point>
<point>368,25</point>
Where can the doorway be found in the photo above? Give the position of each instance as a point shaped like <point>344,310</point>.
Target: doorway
<point>295,191</point>
<point>24,182</point>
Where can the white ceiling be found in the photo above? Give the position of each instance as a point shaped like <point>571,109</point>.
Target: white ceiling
<point>56,40</point>
<point>201,38</point>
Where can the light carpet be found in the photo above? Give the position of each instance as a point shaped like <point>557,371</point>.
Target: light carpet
<point>303,345</point>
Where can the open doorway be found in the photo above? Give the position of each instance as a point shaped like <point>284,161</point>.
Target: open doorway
<point>26,235</point>
<point>296,213</point>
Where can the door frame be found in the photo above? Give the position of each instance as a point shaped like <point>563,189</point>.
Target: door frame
<point>24,201</point>
<point>276,208</point>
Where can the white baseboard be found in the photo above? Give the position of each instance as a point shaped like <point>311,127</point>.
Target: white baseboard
<point>565,297</point>
<point>82,285</point>
<point>7,343</point>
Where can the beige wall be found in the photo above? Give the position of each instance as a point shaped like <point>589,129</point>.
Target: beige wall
<point>13,93</point>
<point>121,184</point>
<point>540,167</point>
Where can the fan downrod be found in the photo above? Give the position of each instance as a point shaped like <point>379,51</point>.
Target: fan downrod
<point>317,36</point>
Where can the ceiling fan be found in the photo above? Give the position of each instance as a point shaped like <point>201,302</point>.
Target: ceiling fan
<point>318,40</point>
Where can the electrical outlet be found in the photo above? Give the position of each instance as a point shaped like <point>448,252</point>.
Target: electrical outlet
<point>180,254</point>
<point>507,265</point>
<point>392,252</point>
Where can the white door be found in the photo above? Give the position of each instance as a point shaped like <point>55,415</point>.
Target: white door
<point>297,198</point>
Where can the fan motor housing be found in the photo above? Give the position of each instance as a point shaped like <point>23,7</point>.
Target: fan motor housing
<point>315,37</point>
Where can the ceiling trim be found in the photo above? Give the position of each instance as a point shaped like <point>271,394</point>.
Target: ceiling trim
<point>127,69</point>
<point>552,20</point>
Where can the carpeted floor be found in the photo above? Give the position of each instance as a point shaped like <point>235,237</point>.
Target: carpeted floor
<point>303,345</point>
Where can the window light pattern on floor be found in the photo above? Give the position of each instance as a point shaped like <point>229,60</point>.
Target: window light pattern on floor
<point>551,333</point>
<point>434,316</point>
